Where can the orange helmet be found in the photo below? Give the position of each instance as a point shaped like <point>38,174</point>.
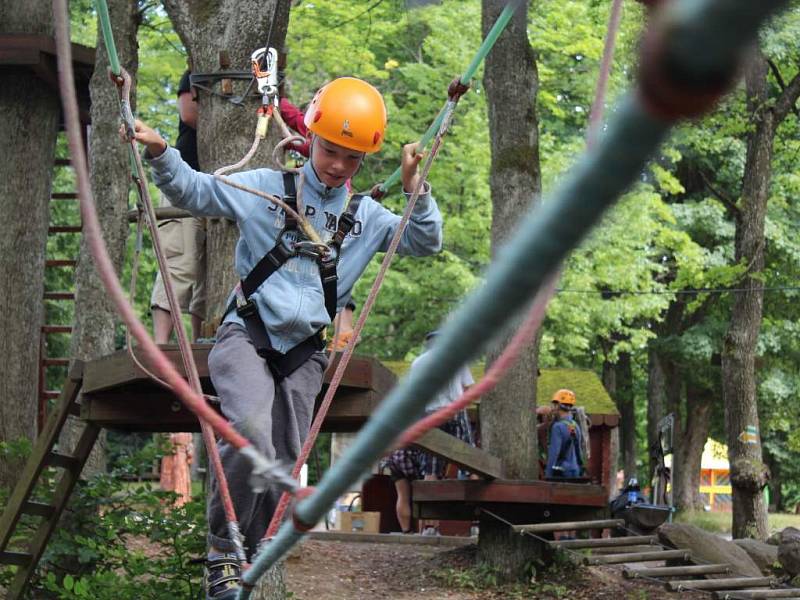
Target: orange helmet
<point>348,112</point>
<point>564,397</point>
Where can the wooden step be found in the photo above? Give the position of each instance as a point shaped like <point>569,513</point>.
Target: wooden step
<point>55,362</point>
<point>59,295</point>
<point>38,509</point>
<point>62,461</point>
<point>621,550</point>
<point>616,559</point>
<point>718,569</point>
<point>56,328</point>
<point>569,526</point>
<point>604,542</point>
<point>757,594</point>
<point>50,394</point>
<point>63,162</point>
<point>64,196</point>
<point>719,584</point>
<point>60,262</point>
<point>53,229</point>
<point>19,559</point>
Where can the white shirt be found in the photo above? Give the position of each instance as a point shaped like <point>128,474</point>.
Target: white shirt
<point>453,390</point>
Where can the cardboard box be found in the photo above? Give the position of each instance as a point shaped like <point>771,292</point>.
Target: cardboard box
<point>358,522</point>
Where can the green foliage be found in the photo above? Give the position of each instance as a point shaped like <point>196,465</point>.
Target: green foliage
<point>124,541</point>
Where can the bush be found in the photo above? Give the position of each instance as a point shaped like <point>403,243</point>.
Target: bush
<point>123,541</point>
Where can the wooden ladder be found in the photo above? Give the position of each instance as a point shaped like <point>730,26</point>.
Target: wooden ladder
<point>48,393</point>
<point>28,548</point>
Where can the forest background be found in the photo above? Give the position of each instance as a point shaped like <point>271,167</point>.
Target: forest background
<point>644,302</point>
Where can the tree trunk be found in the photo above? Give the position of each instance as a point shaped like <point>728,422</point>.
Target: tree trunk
<point>627,410</point>
<point>748,473</point>
<point>219,34</point>
<point>28,128</point>
<point>96,318</point>
<point>688,455</point>
<point>224,34</point>
<point>508,419</point>
<point>656,399</point>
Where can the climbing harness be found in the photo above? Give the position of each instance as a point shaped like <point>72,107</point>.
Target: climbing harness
<point>290,245</point>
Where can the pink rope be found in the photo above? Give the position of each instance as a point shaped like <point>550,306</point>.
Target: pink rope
<point>596,113</point>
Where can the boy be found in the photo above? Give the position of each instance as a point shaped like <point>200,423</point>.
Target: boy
<point>564,457</point>
<point>272,400</point>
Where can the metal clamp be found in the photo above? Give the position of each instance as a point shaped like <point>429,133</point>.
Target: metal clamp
<point>264,64</point>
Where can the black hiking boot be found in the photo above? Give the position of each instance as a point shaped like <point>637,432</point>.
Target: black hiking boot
<point>222,577</point>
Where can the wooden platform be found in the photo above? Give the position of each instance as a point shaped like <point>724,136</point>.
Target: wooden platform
<point>539,500</point>
<point>117,394</point>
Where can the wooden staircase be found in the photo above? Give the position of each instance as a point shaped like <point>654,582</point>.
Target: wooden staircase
<point>47,464</point>
<point>682,578</point>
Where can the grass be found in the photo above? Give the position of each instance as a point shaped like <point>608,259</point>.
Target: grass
<point>720,522</point>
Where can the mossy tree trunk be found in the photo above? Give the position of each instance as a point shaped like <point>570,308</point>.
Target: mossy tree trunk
<point>28,127</point>
<point>748,472</point>
<point>508,419</point>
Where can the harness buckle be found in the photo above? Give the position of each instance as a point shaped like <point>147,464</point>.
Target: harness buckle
<point>248,309</point>
<point>310,249</point>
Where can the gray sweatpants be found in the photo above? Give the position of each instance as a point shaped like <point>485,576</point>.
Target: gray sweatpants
<point>275,418</point>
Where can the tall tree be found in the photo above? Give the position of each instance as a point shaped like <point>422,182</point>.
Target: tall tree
<point>30,109</point>
<point>222,35</point>
<point>748,473</point>
<point>508,419</point>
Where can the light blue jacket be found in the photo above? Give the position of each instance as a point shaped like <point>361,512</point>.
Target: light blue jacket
<point>291,302</point>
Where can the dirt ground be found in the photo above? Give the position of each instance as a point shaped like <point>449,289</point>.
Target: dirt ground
<point>332,570</point>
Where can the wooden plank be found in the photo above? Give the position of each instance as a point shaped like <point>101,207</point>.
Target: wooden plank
<point>757,594</point>
<point>54,229</point>
<point>117,370</point>
<point>19,559</point>
<point>648,540</point>
<point>12,43</point>
<point>732,583</point>
<point>153,408</point>
<point>163,213</point>
<point>56,328</point>
<point>718,569</point>
<point>61,461</point>
<point>37,460</point>
<point>617,559</point>
<point>452,449</point>
<point>59,296</point>
<point>60,262</point>
<point>570,526</point>
<point>64,195</point>
<point>510,491</point>
<point>55,362</point>
<point>389,538</point>
<point>38,509</point>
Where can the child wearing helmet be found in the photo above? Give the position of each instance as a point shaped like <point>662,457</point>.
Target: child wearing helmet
<point>564,455</point>
<point>267,364</point>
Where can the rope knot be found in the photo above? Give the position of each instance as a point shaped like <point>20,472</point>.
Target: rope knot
<point>456,89</point>
<point>299,495</point>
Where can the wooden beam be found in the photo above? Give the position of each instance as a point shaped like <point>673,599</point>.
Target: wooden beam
<point>757,594</point>
<point>718,569</point>
<point>617,559</point>
<point>570,526</point>
<point>452,449</point>
<point>719,584</point>
<point>648,540</point>
<point>510,491</point>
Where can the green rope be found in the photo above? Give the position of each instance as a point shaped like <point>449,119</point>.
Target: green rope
<point>486,46</point>
<point>108,37</point>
